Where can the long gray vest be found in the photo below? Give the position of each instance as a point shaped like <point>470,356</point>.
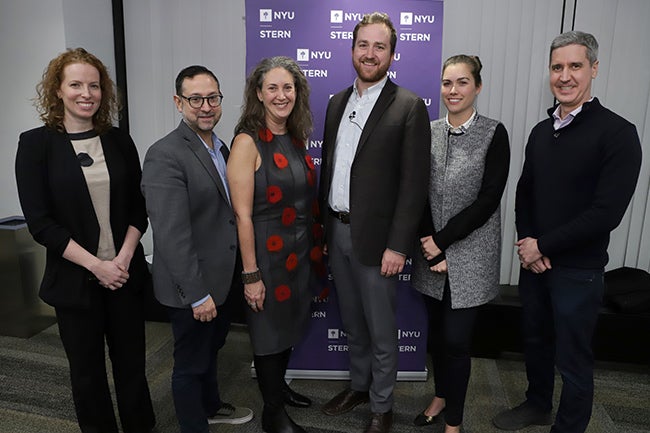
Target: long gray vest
<point>457,164</point>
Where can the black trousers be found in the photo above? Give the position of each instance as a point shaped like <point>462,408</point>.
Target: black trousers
<point>450,338</point>
<point>559,315</point>
<point>194,377</point>
<point>118,317</point>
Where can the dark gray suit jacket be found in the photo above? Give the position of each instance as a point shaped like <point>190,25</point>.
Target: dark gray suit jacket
<point>194,231</point>
<point>390,173</point>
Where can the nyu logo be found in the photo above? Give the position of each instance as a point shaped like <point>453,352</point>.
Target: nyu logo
<point>338,16</point>
<point>333,334</point>
<point>267,15</point>
<point>409,18</point>
<point>302,54</point>
<point>407,334</point>
<point>406,18</point>
<point>305,54</point>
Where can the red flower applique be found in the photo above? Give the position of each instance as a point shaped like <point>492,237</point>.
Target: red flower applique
<point>292,262</point>
<point>280,160</point>
<point>317,231</point>
<point>265,135</point>
<point>310,162</point>
<point>288,216</point>
<point>311,177</point>
<point>316,254</point>
<point>282,293</point>
<point>274,243</point>
<point>324,294</point>
<point>273,194</point>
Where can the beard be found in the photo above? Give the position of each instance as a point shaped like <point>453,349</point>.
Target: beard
<point>371,77</point>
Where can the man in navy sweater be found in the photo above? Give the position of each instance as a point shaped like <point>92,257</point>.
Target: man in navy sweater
<point>581,168</point>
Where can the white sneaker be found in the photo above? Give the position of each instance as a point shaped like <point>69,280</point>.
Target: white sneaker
<point>229,414</point>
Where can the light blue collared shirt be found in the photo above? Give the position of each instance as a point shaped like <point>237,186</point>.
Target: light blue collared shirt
<point>218,160</point>
<point>354,119</point>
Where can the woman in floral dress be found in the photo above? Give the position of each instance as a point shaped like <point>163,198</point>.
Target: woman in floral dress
<point>272,183</point>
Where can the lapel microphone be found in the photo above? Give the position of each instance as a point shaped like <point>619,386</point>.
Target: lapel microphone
<point>352,115</point>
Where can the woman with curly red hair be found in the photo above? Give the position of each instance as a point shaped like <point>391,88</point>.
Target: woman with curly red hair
<point>79,186</point>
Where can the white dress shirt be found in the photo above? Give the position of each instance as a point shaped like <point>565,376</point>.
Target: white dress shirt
<point>354,118</point>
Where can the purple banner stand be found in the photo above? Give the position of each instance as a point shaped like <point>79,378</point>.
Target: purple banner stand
<point>318,35</point>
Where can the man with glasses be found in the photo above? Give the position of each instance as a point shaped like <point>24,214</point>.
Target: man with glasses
<point>195,248</point>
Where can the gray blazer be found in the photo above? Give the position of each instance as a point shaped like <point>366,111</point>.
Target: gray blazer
<point>194,231</point>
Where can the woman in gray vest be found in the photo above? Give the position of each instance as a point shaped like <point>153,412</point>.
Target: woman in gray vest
<point>458,270</point>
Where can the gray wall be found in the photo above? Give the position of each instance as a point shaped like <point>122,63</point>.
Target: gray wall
<point>510,36</point>
<point>512,39</point>
<point>32,32</point>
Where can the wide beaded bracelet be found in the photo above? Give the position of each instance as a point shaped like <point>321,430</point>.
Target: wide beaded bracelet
<point>251,277</point>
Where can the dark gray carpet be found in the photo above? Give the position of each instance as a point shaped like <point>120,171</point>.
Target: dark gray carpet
<point>35,390</point>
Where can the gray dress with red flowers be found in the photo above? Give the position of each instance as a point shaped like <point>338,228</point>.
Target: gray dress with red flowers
<point>284,247</point>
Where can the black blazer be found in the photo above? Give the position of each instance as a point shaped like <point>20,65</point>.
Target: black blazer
<point>57,206</point>
<point>390,173</point>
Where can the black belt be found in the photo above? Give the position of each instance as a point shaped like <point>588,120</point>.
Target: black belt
<point>344,217</point>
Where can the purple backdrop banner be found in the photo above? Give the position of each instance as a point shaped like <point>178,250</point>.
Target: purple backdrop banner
<point>318,35</point>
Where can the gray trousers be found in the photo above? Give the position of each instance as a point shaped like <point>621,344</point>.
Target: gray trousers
<point>367,304</point>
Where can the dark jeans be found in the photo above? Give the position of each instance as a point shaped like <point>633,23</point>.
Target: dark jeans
<point>450,338</point>
<point>194,377</point>
<point>559,311</point>
<point>118,317</point>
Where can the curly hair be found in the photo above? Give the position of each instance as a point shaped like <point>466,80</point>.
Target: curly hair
<point>50,106</point>
<point>252,119</point>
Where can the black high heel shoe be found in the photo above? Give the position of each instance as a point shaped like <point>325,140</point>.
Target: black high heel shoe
<point>422,420</point>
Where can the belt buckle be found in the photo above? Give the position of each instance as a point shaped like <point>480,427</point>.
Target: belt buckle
<point>343,217</point>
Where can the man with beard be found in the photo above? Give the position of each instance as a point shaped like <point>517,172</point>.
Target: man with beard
<point>374,182</point>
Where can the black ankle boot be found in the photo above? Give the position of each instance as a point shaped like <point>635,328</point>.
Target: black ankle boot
<point>278,421</point>
<point>292,398</point>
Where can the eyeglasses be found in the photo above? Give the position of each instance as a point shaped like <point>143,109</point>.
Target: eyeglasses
<point>197,101</point>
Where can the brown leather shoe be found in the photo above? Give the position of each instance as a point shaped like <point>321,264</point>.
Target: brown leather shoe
<point>380,422</point>
<point>344,402</point>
